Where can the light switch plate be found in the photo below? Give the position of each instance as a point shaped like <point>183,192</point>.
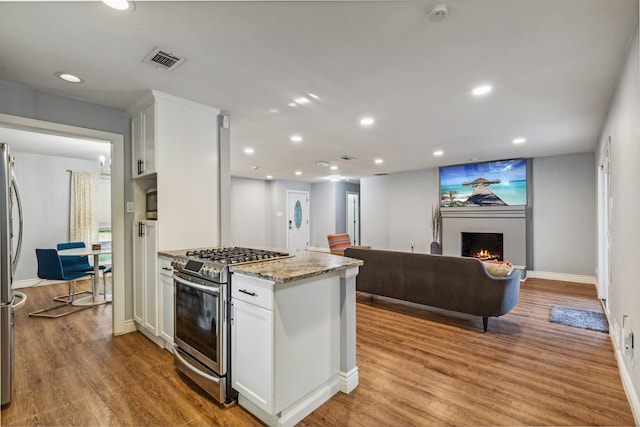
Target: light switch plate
<point>130,208</point>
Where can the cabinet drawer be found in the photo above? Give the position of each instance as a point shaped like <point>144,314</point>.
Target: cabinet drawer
<point>252,290</point>
<point>164,266</point>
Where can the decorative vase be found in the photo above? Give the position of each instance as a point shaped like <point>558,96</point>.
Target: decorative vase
<point>435,248</point>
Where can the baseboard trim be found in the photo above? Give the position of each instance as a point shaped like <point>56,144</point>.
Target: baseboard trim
<point>30,283</point>
<point>625,376</point>
<point>129,326</point>
<point>590,280</point>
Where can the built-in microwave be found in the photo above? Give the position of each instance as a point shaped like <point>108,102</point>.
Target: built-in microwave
<point>152,204</point>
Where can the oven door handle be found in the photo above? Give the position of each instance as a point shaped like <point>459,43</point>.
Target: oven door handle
<point>208,289</point>
<point>188,365</point>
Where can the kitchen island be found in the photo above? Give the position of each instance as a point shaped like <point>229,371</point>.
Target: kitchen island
<point>293,342</point>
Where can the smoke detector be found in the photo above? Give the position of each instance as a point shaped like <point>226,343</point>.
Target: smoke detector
<point>164,60</point>
<point>438,12</point>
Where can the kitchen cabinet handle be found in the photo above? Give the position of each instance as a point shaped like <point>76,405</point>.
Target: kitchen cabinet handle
<point>167,268</point>
<point>244,291</point>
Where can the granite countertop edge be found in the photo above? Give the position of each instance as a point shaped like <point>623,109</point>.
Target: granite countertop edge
<point>302,265</point>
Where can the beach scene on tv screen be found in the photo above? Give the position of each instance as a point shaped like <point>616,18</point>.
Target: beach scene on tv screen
<point>499,183</point>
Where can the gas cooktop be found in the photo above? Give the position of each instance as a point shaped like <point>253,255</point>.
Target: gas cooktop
<point>212,263</point>
<point>234,255</point>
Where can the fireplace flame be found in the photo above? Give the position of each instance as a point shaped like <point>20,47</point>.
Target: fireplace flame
<point>486,255</point>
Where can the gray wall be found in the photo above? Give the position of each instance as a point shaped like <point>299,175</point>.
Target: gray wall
<point>396,210</point>
<point>622,126</point>
<point>329,210</point>
<point>45,193</point>
<point>564,214</point>
<point>323,209</point>
<point>31,103</point>
<point>250,213</point>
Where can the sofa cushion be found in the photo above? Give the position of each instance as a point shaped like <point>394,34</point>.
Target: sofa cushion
<point>498,268</point>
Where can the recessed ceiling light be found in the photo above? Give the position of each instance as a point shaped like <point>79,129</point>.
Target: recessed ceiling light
<point>481,90</point>
<point>292,104</point>
<point>249,150</point>
<point>117,4</point>
<point>438,153</point>
<point>269,176</point>
<point>274,110</point>
<point>378,161</point>
<point>298,173</point>
<point>301,100</point>
<point>314,96</point>
<point>69,77</point>
<point>333,167</point>
<point>519,141</point>
<point>366,121</point>
<point>296,138</point>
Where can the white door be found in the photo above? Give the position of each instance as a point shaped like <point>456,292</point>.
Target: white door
<point>353,217</point>
<point>297,220</point>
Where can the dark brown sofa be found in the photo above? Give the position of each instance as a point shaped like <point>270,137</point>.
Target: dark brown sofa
<point>451,283</point>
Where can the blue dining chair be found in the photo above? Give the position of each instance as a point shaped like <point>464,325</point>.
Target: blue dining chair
<point>75,262</point>
<point>50,268</point>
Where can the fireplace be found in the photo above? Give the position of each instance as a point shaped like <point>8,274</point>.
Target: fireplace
<point>484,246</point>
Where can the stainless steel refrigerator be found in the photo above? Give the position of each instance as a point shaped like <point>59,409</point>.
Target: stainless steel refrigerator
<point>10,300</point>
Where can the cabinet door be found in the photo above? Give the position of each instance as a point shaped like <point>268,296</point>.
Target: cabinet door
<point>252,353</point>
<point>143,143</point>
<point>139,259</point>
<point>137,144</point>
<point>166,319</point>
<point>151,277</point>
<point>145,275</point>
<point>149,118</point>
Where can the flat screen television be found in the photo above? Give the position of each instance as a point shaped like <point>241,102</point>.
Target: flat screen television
<point>496,183</point>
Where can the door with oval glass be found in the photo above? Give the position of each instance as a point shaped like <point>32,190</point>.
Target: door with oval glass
<point>297,220</point>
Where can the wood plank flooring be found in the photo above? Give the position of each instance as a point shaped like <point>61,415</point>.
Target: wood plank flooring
<point>418,367</point>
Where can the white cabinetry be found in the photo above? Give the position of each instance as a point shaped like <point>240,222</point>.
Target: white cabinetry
<point>165,275</point>
<point>143,136</point>
<point>145,275</point>
<point>252,340</point>
<point>175,150</point>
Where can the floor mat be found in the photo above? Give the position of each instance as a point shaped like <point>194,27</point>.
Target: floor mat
<point>584,319</point>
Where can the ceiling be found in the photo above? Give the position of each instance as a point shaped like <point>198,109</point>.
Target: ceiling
<point>553,66</point>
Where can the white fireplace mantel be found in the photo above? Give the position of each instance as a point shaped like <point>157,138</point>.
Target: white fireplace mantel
<point>511,221</point>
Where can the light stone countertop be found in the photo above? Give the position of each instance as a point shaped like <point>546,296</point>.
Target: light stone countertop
<point>302,265</point>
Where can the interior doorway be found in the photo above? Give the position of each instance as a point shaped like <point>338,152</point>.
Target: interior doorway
<point>117,197</point>
<point>353,217</point>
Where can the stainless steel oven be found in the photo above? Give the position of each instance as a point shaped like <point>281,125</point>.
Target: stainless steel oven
<point>200,333</point>
<point>202,295</point>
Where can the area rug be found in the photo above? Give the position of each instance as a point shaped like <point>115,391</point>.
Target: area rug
<point>584,319</point>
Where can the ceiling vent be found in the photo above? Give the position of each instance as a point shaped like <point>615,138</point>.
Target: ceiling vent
<point>346,157</point>
<point>164,60</point>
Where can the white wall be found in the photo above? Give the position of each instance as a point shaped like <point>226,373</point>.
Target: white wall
<point>45,193</point>
<point>564,214</point>
<point>623,127</point>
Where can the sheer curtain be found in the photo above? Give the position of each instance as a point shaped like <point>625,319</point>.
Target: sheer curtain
<point>84,218</point>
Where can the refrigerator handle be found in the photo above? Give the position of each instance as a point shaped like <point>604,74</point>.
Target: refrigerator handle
<point>23,300</point>
<point>14,184</point>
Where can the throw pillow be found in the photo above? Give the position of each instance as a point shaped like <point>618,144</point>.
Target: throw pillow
<point>498,268</point>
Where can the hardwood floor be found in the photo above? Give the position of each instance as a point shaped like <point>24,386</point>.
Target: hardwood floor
<point>418,367</point>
